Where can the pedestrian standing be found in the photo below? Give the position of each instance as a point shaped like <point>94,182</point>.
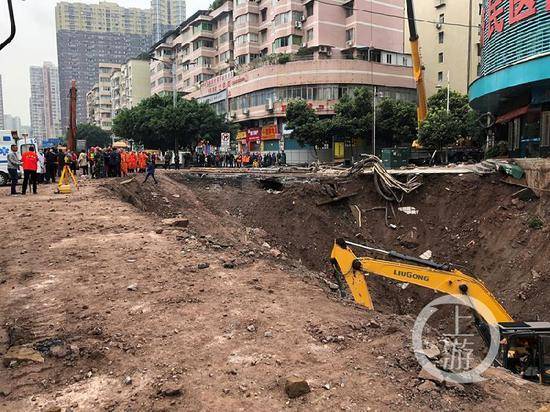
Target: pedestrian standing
<point>83,162</point>
<point>30,165</point>
<point>41,170</point>
<point>50,159</point>
<point>13,168</point>
<point>177,161</point>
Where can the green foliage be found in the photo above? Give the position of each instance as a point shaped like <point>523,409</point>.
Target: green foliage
<point>440,129</point>
<point>156,124</point>
<point>217,3</point>
<point>535,222</point>
<point>304,51</point>
<point>94,135</point>
<point>462,121</point>
<point>353,114</point>
<point>283,58</point>
<point>396,123</point>
<point>304,122</point>
<point>396,120</point>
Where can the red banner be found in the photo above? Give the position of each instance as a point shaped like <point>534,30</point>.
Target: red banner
<point>253,134</point>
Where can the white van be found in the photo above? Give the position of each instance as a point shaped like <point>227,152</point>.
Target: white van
<point>6,140</point>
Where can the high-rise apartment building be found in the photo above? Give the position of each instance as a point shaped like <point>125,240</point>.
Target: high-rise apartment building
<point>1,106</point>
<point>89,34</point>
<point>249,58</point>
<point>98,99</point>
<point>130,85</point>
<point>449,40</point>
<point>167,15</point>
<point>45,110</point>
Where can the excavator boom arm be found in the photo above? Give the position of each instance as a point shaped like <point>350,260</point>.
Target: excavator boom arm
<point>452,282</point>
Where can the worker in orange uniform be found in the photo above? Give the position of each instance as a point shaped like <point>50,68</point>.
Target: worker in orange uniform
<point>30,165</point>
<point>142,161</point>
<point>132,162</point>
<point>123,163</point>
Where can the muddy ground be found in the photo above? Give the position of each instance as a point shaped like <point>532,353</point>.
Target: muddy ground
<point>116,303</point>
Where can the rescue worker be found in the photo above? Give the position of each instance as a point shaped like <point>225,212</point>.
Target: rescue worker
<point>132,162</point>
<point>30,166</point>
<point>123,164</point>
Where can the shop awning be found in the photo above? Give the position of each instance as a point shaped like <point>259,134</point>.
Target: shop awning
<point>512,115</point>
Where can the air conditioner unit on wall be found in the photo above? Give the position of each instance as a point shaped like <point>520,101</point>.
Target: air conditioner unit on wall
<point>349,43</point>
<point>438,26</point>
<point>269,105</point>
<point>304,18</point>
<point>304,44</point>
<point>246,111</point>
<point>324,49</point>
<point>298,24</point>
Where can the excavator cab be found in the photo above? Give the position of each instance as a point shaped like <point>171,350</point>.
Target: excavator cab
<point>525,349</point>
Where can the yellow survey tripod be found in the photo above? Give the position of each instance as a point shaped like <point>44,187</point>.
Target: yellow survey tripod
<point>64,186</point>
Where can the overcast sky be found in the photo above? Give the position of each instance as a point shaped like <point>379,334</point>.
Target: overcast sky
<point>35,43</point>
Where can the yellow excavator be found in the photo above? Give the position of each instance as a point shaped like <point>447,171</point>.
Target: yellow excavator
<point>533,338</point>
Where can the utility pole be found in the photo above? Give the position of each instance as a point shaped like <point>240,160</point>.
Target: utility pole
<point>71,141</point>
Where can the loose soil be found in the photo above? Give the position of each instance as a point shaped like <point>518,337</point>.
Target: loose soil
<point>115,301</point>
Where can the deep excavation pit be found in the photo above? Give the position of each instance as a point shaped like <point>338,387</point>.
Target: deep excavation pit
<point>469,221</point>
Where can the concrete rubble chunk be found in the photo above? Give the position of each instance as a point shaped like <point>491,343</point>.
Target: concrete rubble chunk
<point>22,354</point>
<point>427,386</point>
<point>170,390</point>
<point>203,265</point>
<point>296,387</point>
<point>176,222</point>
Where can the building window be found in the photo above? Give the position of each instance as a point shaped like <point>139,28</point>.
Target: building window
<point>441,37</point>
<point>264,14</point>
<point>309,35</point>
<point>349,35</point>
<point>309,9</point>
<point>440,57</point>
<point>442,18</point>
<point>281,42</point>
<point>388,58</point>
<point>439,76</point>
<point>349,9</point>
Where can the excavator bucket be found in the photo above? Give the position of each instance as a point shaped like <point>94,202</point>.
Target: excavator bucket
<point>342,259</point>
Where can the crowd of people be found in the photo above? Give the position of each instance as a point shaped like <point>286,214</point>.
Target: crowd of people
<point>97,163</point>
<point>240,160</point>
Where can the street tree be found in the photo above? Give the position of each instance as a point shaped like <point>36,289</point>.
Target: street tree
<point>353,114</point>
<point>306,126</point>
<point>94,135</point>
<point>396,123</point>
<point>157,124</point>
<point>440,129</point>
<point>468,131</point>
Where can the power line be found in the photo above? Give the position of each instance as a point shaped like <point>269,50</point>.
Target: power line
<point>399,17</point>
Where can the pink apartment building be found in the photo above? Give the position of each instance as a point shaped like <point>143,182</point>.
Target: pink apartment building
<point>249,58</point>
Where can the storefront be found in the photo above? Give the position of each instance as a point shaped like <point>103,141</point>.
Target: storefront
<point>514,82</point>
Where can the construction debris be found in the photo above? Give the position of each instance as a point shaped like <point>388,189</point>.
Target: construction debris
<point>296,386</point>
